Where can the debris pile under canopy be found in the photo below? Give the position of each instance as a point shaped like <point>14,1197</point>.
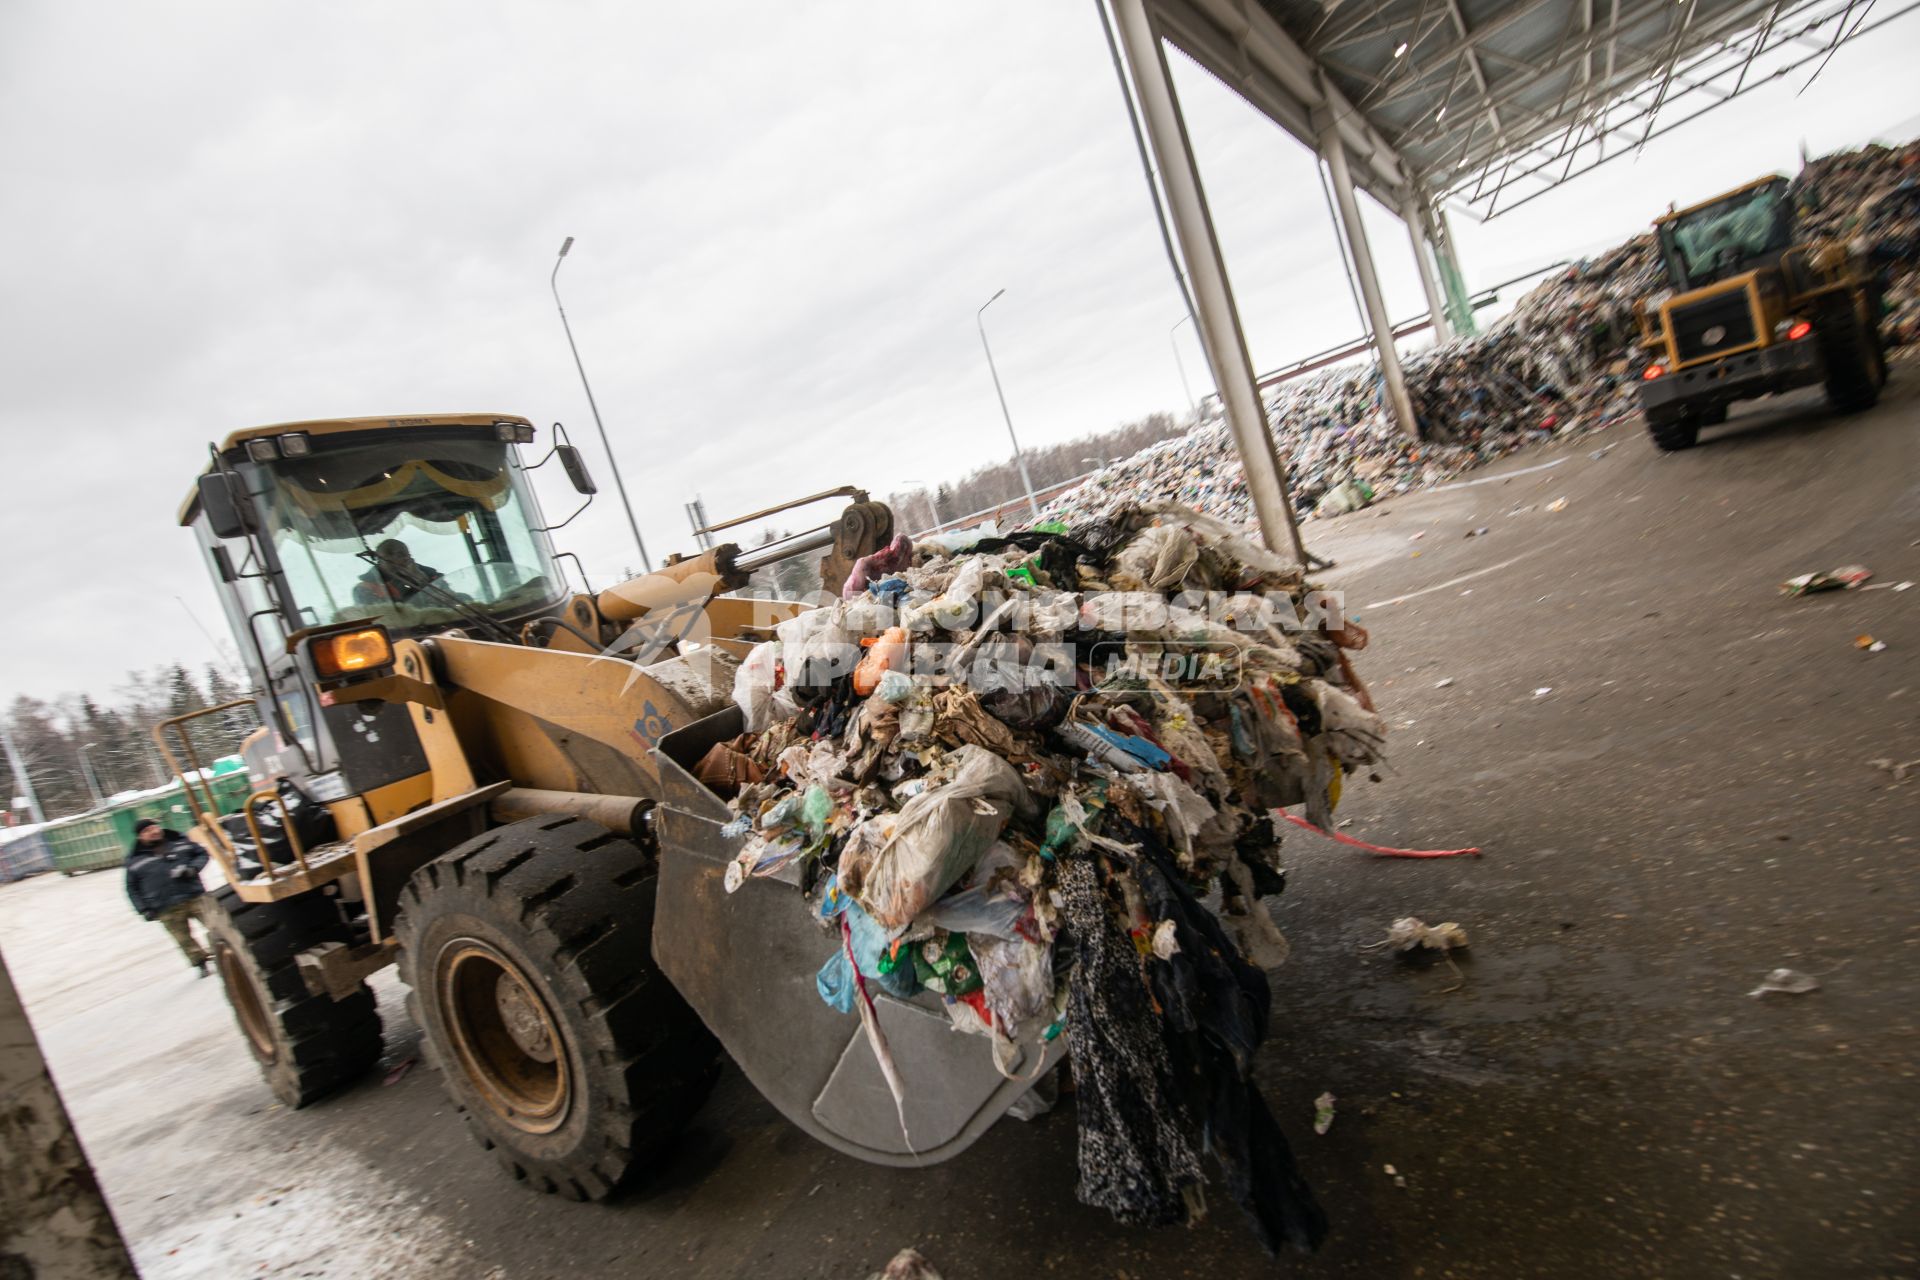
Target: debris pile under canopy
<point>1560,364</point>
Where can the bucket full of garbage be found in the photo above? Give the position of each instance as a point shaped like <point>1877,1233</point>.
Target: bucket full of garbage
<point>1007,804</point>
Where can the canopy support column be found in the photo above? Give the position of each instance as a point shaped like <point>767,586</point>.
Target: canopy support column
<point>1218,319</point>
<point>1423,258</point>
<point>1378,321</point>
<point>1459,303</point>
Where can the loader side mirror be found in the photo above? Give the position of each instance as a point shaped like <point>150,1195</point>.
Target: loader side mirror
<point>224,505</point>
<point>576,468</point>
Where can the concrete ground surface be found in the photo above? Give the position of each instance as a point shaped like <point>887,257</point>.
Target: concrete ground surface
<point>1686,806</point>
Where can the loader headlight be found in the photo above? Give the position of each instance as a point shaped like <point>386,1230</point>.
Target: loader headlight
<point>351,653</point>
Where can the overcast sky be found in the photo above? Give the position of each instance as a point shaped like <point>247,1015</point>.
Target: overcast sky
<point>216,215</point>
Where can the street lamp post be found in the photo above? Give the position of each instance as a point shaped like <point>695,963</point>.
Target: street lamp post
<point>980,319</point>
<point>20,776</point>
<point>926,491</point>
<point>90,775</point>
<point>1178,363</point>
<point>553,282</point>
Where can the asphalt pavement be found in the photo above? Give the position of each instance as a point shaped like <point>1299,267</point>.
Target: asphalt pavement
<point>1667,765</point>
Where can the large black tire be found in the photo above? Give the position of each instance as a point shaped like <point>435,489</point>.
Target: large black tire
<point>1856,366</point>
<point>529,951</point>
<point>307,1045</point>
<point>1673,430</point>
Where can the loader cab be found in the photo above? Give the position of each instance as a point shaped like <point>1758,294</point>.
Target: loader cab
<point>416,525</point>
<point>1744,230</point>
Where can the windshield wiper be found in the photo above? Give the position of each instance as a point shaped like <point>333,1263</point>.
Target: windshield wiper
<point>464,608</point>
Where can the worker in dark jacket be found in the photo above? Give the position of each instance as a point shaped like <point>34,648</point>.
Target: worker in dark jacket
<point>163,880</point>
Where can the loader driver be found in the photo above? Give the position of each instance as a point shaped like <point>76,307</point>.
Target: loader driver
<point>395,577</point>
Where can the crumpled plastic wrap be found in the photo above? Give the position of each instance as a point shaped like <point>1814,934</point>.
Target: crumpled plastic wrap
<point>936,838</point>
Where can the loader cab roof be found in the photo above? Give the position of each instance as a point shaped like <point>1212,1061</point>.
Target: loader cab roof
<point>236,442</point>
<point>1675,214</point>
<point>418,523</point>
<point>1746,229</point>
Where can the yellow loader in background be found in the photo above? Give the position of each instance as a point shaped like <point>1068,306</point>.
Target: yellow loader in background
<point>1753,311</point>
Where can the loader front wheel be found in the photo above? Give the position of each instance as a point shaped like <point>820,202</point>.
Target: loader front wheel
<point>1673,430</point>
<point>307,1045</point>
<point>529,952</point>
<point>1856,363</point>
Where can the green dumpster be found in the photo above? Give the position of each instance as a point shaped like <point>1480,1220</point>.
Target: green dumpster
<point>97,840</point>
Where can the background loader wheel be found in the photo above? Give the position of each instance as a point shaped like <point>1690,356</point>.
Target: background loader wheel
<point>307,1045</point>
<point>1856,368</point>
<point>1673,431</point>
<point>529,952</point>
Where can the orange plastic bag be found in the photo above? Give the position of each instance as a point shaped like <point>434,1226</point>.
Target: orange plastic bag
<point>888,653</point>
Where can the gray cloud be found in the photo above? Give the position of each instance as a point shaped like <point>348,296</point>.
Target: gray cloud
<point>222,214</point>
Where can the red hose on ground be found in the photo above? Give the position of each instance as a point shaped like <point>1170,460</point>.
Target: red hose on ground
<point>1381,849</point>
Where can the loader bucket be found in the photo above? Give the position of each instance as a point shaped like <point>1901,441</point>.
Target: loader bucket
<point>746,963</point>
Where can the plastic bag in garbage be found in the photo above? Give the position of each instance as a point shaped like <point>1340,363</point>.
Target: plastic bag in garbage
<point>1018,978</point>
<point>1158,558</point>
<point>753,686</point>
<point>958,607</point>
<point>991,901</point>
<point>935,838</point>
<point>816,648</point>
<point>871,943</point>
<point>1014,687</point>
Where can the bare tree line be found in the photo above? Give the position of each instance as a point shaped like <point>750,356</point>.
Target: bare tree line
<point>77,738</point>
<point>999,482</point>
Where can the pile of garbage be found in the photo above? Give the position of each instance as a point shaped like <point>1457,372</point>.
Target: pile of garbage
<point>1031,779</point>
<point>1557,366</point>
<point>1871,197</point>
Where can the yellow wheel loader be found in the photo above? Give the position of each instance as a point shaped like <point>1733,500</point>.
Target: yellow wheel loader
<point>1753,312</point>
<point>474,769</point>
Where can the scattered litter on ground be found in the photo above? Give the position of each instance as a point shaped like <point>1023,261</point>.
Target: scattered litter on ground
<point>1385,850</point>
<point>1444,683</point>
<point>908,1264</point>
<point>1543,691</point>
<point>1899,769</point>
<point>1786,982</point>
<point>1409,934</point>
<point>1415,537</point>
<point>1323,1113</point>
<point>1039,1100</point>
<point>1481,532</point>
<point>1558,504</point>
<point>1847,577</point>
<point>1886,586</point>
<point>1867,642</point>
<point>399,1071</point>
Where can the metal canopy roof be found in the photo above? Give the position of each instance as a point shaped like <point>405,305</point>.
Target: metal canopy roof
<point>1495,101</point>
